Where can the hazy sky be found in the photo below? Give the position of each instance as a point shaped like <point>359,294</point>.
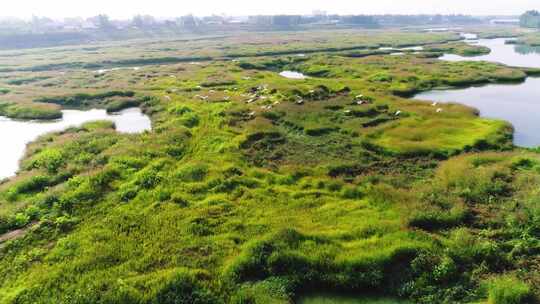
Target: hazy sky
<point>166,8</point>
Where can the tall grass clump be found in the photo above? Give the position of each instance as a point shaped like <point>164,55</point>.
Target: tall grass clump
<point>508,290</point>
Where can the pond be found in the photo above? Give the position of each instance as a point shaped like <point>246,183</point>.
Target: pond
<point>518,104</point>
<point>16,134</point>
<point>293,75</point>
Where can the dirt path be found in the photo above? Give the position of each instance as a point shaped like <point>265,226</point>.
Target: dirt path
<point>15,234</point>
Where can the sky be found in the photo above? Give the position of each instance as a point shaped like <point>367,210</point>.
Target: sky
<point>170,8</point>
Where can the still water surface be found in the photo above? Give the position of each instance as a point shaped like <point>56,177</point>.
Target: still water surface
<point>518,104</point>
<point>15,134</point>
<point>292,75</point>
<point>509,54</point>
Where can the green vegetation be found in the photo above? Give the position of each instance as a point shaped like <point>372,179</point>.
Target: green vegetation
<point>508,290</point>
<point>83,99</point>
<point>530,39</point>
<point>22,81</point>
<point>30,111</point>
<point>255,188</point>
<point>459,48</point>
<point>344,299</point>
<point>530,19</point>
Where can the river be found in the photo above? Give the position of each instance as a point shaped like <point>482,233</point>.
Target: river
<point>518,104</point>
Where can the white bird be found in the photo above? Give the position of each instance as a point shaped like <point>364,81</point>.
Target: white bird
<point>439,110</point>
<point>434,104</point>
<point>398,113</point>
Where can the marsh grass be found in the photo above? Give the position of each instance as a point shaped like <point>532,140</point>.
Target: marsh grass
<point>300,189</point>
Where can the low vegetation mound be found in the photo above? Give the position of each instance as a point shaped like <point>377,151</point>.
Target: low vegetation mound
<point>255,188</point>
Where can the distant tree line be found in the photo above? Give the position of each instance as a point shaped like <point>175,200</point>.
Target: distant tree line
<point>530,19</point>
<point>44,32</point>
<point>410,20</point>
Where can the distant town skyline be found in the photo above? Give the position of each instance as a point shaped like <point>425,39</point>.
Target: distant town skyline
<point>168,8</point>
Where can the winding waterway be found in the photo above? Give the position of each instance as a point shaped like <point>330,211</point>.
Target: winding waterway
<point>518,104</point>
<point>509,54</point>
<point>16,134</point>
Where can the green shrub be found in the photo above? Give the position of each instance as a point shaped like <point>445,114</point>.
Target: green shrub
<point>185,288</point>
<point>98,125</point>
<point>193,173</point>
<point>21,220</point>
<point>33,184</point>
<point>271,291</point>
<point>190,120</point>
<point>128,192</point>
<point>82,99</point>
<point>508,290</point>
<point>50,159</point>
<point>30,111</point>
<point>148,178</point>
<point>119,105</point>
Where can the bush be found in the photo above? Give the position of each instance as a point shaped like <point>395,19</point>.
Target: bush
<point>148,178</point>
<point>271,291</point>
<point>194,173</point>
<point>30,111</point>
<point>431,219</point>
<point>98,125</point>
<point>119,105</point>
<point>49,159</point>
<point>33,184</point>
<point>81,99</point>
<point>185,288</point>
<point>190,120</point>
<point>508,290</point>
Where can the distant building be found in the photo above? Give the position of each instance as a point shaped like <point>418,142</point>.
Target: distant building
<point>505,21</point>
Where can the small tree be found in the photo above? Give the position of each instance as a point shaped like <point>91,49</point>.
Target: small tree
<point>530,19</point>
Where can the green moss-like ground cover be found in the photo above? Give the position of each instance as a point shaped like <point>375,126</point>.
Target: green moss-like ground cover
<point>254,188</point>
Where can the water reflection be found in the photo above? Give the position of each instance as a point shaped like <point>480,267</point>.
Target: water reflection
<point>518,104</point>
<point>501,52</point>
<point>526,50</point>
<point>292,75</point>
<point>15,135</point>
